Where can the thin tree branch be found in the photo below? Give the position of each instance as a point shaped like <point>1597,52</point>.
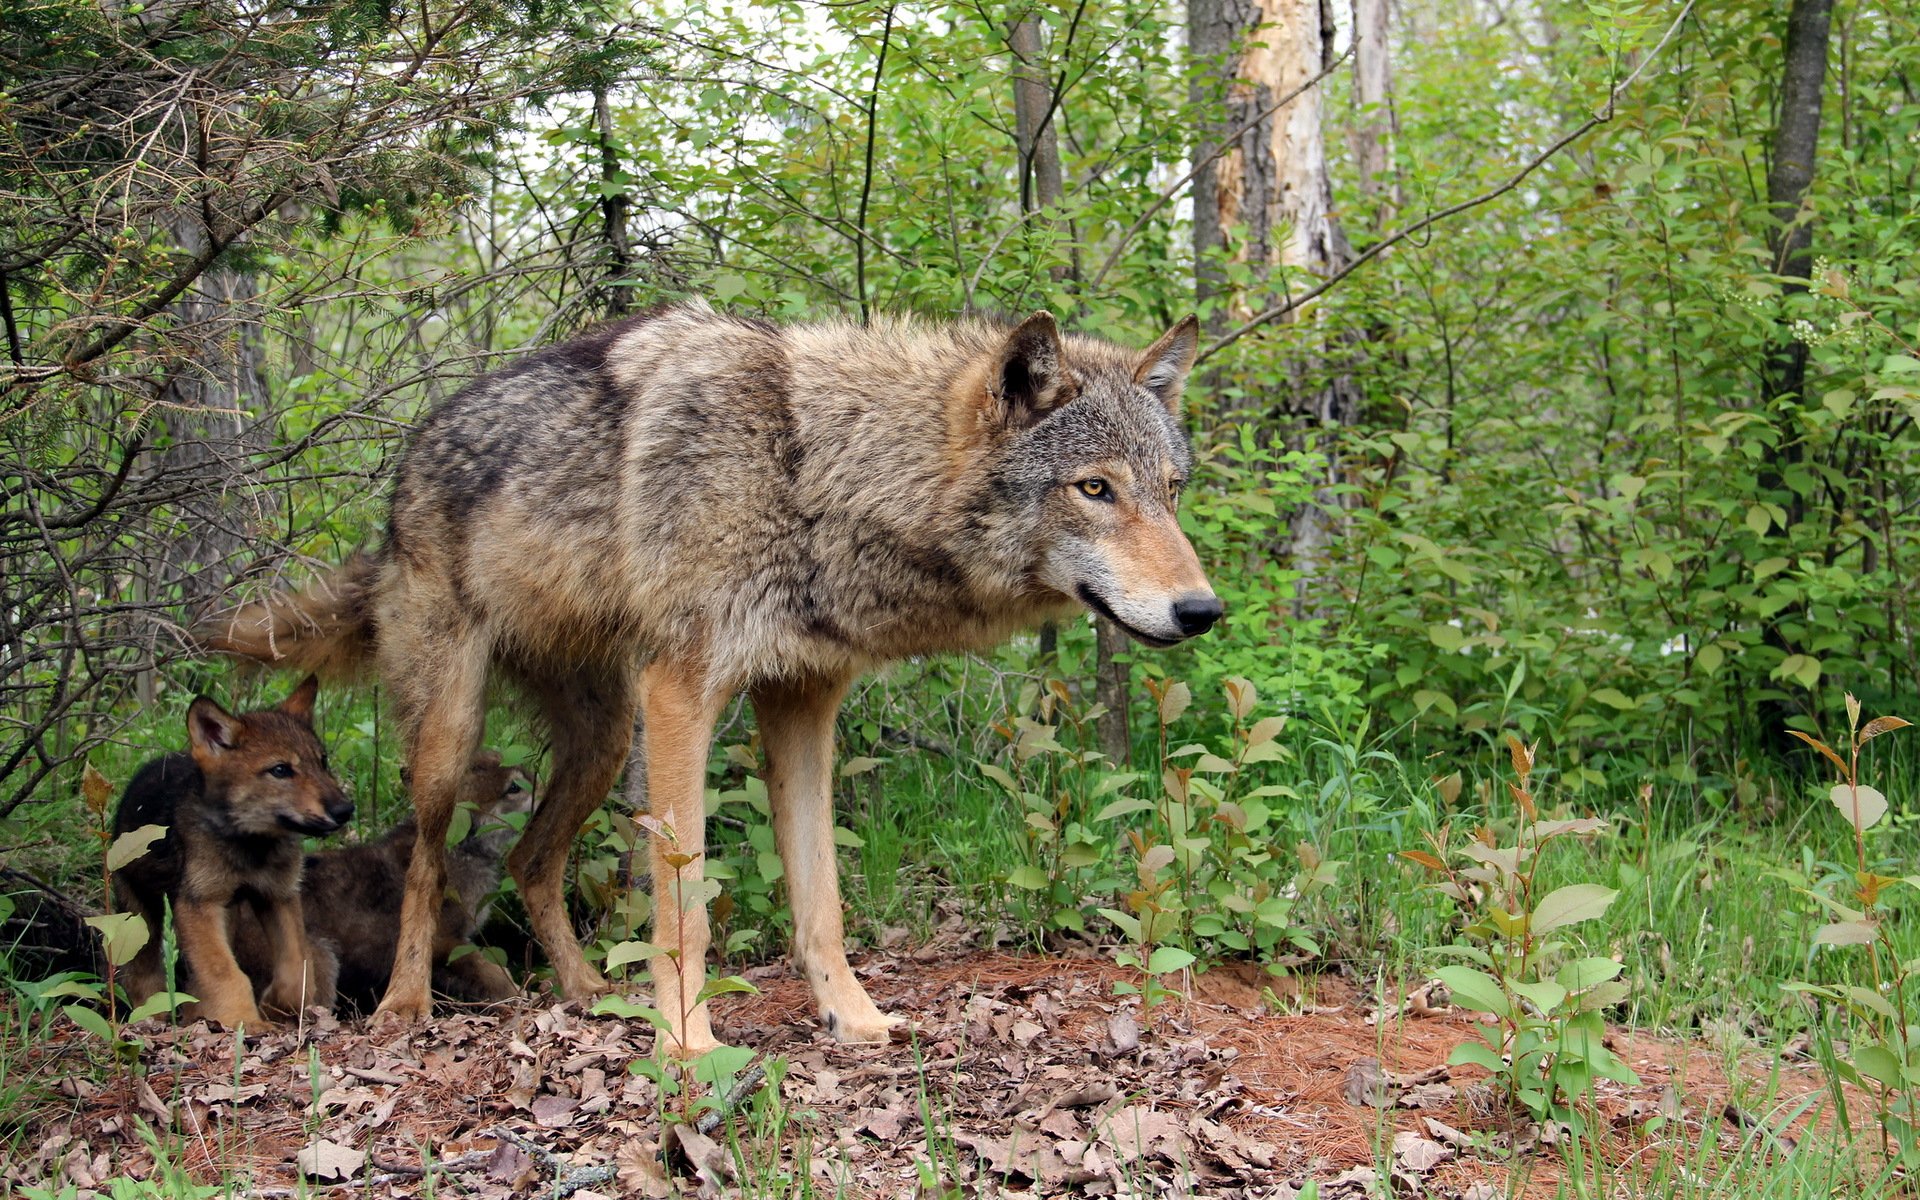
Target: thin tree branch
<point>1374,251</point>
<point>866,179</point>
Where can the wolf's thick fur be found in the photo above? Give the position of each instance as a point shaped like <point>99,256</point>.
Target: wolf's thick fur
<point>351,897</point>
<point>739,506</point>
<point>235,808</point>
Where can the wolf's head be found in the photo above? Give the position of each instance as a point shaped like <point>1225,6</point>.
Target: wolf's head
<point>1094,451</point>
<point>496,792</point>
<point>266,772</point>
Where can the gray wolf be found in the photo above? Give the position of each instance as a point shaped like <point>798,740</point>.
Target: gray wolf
<point>351,897</point>
<point>676,507</point>
<point>236,808</point>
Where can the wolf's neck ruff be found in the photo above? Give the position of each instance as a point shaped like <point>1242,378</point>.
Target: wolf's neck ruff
<point>741,506</point>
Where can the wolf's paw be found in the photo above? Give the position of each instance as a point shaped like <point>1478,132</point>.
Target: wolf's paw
<point>395,1012</point>
<point>868,1028</point>
<point>230,1015</point>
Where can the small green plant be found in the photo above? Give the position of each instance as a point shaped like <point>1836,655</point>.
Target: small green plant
<point>677,1070</point>
<point>1884,1042</point>
<point>1549,1048</point>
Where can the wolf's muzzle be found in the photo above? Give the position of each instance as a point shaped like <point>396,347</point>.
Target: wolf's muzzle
<point>1196,614</point>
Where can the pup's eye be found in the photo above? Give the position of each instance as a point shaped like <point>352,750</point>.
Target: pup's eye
<point>1095,489</point>
<point>280,771</point>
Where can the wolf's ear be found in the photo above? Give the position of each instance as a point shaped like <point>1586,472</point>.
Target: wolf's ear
<point>1029,380</point>
<point>1164,365</point>
<point>211,729</point>
<point>300,704</point>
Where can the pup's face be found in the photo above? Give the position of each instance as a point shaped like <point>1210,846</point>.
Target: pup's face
<point>1098,453</point>
<point>496,791</point>
<point>269,766</point>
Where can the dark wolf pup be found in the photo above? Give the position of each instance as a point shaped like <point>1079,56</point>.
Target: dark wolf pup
<point>675,507</point>
<point>351,897</point>
<point>236,808</point>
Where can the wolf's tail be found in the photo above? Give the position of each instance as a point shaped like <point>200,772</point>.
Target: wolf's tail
<point>326,628</point>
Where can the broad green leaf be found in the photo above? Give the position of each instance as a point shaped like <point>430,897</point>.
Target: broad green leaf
<point>1476,990</point>
<point>1029,877</point>
<point>1545,994</point>
<point>1167,959</point>
<point>999,776</point>
<point>133,844</point>
<point>858,766</point>
<point>1476,1054</point>
<point>121,935</point>
<point>1863,805</point>
<point>1567,905</point>
<point>1122,807</point>
<point>1614,698</point>
<point>1844,933</point>
<point>89,1020</point>
<point>1178,696</point>
<point>1879,1064</point>
<point>631,952</point>
<point>1265,730</point>
<point>1583,973</point>
<point>725,985</point>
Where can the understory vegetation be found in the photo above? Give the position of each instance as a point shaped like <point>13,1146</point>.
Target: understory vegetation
<point>1566,539</point>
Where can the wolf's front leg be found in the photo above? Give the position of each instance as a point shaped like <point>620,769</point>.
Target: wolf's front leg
<point>678,710</point>
<point>223,991</point>
<point>796,729</point>
<point>303,975</point>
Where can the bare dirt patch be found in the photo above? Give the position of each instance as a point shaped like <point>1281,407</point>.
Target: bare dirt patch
<point>1023,1075</point>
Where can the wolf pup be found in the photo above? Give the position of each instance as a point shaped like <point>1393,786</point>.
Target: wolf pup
<point>737,505</point>
<point>351,895</point>
<point>236,808</point>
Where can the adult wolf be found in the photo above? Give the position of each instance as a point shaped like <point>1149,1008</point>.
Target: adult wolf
<point>673,508</point>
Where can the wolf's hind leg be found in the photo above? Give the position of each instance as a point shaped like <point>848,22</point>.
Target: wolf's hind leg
<point>440,691</point>
<point>590,714</point>
<point>796,730</point>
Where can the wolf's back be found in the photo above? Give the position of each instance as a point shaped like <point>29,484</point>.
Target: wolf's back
<point>326,628</point>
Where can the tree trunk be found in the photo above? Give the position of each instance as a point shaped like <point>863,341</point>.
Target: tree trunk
<point>1374,126</point>
<point>1268,203</point>
<point>1784,377</point>
<point>614,206</point>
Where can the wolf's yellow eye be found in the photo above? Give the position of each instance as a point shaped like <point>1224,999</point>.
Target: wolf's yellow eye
<point>1095,489</point>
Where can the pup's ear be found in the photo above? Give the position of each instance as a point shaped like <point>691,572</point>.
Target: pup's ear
<point>1029,379</point>
<point>212,730</point>
<point>485,760</point>
<point>300,704</point>
<point>1164,365</point>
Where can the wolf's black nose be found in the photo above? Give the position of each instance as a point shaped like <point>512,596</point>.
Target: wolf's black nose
<point>340,812</point>
<point>1196,614</point>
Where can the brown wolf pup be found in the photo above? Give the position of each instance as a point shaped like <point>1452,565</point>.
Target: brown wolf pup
<point>351,896</point>
<point>675,507</point>
<point>236,808</point>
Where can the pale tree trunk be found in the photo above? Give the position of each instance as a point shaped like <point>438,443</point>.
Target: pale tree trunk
<point>1268,202</point>
<point>1042,185</point>
<point>1374,126</point>
<point>1796,142</point>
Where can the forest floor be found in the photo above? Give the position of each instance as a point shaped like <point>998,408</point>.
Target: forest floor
<point>1019,1076</point>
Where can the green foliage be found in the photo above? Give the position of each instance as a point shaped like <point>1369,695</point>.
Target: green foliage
<point>1882,1055</point>
<point>1549,1007</point>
